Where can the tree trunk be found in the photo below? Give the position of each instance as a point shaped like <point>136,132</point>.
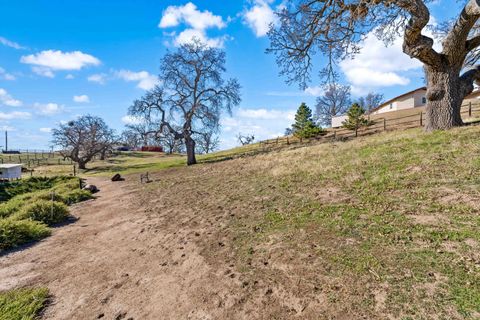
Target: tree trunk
<point>444,100</point>
<point>190,145</point>
<point>81,165</point>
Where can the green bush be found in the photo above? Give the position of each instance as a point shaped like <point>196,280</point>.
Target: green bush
<point>75,196</point>
<point>24,304</point>
<point>49,212</point>
<point>14,233</point>
<point>11,207</point>
<point>11,189</point>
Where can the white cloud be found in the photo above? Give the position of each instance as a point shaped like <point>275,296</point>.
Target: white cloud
<point>8,100</point>
<point>314,91</point>
<point>190,15</point>
<point>45,62</point>
<point>146,81</point>
<point>5,75</point>
<point>14,115</point>
<point>46,130</point>
<point>10,44</point>
<point>131,120</point>
<point>197,23</point>
<point>379,66</point>
<point>44,72</point>
<point>69,76</point>
<point>81,98</point>
<point>262,123</point>
<point>187,35</point>
<point>260,17</point>
<point>100,78</point>
<point>264,114</point>
<point>48,109</point>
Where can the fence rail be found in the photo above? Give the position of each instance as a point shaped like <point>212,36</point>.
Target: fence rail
<point>380,124</point>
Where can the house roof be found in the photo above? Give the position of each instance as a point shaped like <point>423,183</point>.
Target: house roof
<point>9,165</point>
<point>386,103</point>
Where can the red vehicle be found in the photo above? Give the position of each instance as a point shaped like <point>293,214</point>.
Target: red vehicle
<point>152,149</point>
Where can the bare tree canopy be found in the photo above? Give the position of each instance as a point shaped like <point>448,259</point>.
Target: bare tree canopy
<point>191,95</point>
<point>370,101</point>
<point>207,141</point>
<point>335,101</point>
<point>83,138</point>
<point>245,139</point>
<point>335,29</point>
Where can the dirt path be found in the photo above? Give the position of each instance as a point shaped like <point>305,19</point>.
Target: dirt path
<point>115,263</point>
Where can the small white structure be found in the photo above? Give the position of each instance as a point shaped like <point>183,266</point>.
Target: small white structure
<point>337,121</point>
<point>10,171</point>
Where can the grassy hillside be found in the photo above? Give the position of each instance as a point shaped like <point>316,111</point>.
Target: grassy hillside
<point>383,226</point>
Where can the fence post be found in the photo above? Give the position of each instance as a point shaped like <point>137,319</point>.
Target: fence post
<point>288,142</point>
<point>470,109</point>
<point>384,124</point>
<point>421,119</point>
<point>74,171</point>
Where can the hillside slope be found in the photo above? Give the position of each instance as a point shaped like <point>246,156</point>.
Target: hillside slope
<point>380,227</point>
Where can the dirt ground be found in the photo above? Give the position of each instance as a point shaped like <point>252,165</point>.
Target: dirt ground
<point>196,244</point>
<point>115,263</point>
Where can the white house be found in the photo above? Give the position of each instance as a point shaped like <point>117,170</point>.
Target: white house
<point>412,99</point>
<point>10,171</point>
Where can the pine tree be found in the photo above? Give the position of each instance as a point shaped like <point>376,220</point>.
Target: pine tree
<point>304,126</point>
<point>356,118</point>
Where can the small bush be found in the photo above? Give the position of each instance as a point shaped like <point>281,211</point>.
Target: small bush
<point>75,196</point>
<point>14,233</point>
<point>25,303</point>
<point>49,212</point>
<point>9,208</point>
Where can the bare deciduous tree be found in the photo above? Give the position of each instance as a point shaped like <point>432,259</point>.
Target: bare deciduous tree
<point>335,101</point>
<point>207,141</point>
<point>83,138</point>
<point>336,28</point>
<point>192,93</point>
<point>370,101</point>
<point>245,139</point>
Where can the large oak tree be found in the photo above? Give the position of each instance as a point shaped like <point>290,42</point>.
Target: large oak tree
<point>335,28</point>
<point>84,138</point>
<point>191,96</point>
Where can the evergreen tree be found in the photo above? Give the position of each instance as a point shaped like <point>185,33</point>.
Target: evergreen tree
<point>356,118</point>
<point>304,126</point>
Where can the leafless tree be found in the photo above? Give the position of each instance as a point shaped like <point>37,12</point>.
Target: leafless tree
<point>169,141</point>
<point>207,141</point>
<point>335,28</point>
<point>192,93</point>
<point>83,139</point>
<point>245,139</point>
<point>370,101</point>
<point>335,101</point>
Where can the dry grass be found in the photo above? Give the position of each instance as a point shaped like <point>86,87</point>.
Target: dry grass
<point>342,230</point>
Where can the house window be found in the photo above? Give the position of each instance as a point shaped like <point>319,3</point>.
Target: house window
<point>391,106</point>
<point>424,100</point>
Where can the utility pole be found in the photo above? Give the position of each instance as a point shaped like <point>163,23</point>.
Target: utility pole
<point>6,140</point>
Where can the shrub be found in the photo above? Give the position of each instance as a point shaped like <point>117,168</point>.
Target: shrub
<point>11,207</point>
<point>25,303</point>
<point>75,196</point>
<point>14,233</point>
<point>12,189</point>
<point>49,212</point>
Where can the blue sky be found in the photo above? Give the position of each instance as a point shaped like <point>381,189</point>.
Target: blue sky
<point>60,59</point>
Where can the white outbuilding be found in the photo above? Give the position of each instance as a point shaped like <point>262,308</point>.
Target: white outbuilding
<point>10,171</point>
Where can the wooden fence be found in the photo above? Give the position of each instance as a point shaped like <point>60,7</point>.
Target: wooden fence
<point>469,111</point>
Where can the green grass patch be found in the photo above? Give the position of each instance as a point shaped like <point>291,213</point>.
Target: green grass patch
<point>33,205</point>
<point>22,304</point>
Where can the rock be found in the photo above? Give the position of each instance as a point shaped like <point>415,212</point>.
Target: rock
<point>90,187</point>
<point>117,177</point>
